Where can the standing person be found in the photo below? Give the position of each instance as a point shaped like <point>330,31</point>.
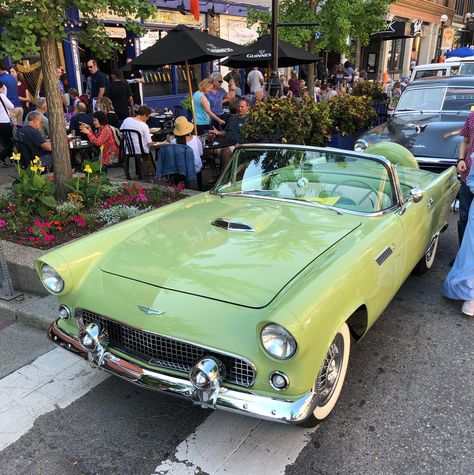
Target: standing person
<point>216,97</point>
<point>98,80</point>
<point>6,129</point>
<point>23,93</point>
<point>202,108</point>
<point>321,71</point>
<point>62,90</point>
<point>134,78</point>
<point>349,70</point>
<point>255,80</point>
<point>464,166</point>
<point>104,137</point>
<point>294,84</point>
<point>121,95</point>
<point>10,83</point>
<point>235,75</point>
<point>459,283</point>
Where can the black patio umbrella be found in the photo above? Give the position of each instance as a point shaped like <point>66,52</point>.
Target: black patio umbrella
<point>260,54</point>
<point>184,45</point>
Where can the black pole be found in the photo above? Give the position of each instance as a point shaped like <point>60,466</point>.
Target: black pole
<point>275,7</point>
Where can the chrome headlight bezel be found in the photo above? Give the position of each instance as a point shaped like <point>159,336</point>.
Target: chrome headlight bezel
<point>51,279</point>
<point>360,145</point>
<point>278,342</point>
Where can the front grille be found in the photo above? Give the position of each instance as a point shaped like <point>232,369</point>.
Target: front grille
<point>165,352</point>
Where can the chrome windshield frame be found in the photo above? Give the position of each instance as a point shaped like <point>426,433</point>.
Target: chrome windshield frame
<point>394,180</point>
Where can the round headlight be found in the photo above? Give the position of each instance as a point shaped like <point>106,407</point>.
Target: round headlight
<point>278,341</point>
<point>360,145</point>
<point>51,279</point>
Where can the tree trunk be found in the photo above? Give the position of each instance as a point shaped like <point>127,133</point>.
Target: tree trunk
<point>313,4</point>
<point>57,127</point>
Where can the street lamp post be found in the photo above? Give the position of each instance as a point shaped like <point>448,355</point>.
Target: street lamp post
<point>470,25</point>
<point>443,19</point>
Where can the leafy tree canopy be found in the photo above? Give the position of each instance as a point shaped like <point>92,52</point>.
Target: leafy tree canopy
<point>31,22</point>
<point>338,21</point>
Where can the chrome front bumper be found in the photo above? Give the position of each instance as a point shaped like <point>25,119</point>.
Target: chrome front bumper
<point>263,407</point>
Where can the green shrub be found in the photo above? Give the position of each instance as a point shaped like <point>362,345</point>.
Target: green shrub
<point>280,120</point>
<point>351,113</point>
<point>373,90</point>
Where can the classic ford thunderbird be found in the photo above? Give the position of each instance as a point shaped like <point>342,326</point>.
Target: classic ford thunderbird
<point>246,298</point>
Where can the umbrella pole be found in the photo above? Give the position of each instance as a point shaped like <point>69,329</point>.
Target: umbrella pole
<point>190,88</point>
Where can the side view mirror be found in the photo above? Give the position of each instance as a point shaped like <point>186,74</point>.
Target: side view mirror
<point>417,194</point>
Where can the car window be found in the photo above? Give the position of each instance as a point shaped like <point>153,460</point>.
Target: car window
<point>427,73</point>
<point>467,69</point>
<point>418,98</point>
<point>333,179</point>
<point>459,99</point>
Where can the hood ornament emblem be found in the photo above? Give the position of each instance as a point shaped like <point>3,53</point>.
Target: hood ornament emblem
<point>150,311</point>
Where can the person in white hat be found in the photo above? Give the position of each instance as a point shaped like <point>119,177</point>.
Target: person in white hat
<point>183,135</point>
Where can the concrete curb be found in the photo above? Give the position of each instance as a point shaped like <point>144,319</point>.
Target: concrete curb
<point>31,310</point>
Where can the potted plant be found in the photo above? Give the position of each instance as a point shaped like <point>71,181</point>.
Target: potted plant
<point>185,108</point>
<point>350,116</point>
<point>280,120</point>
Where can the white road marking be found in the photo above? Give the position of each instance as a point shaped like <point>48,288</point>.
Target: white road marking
<point>230,444</point>
<point>55,379</point>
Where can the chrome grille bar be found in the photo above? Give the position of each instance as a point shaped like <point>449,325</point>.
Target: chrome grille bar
<point>166,352</point>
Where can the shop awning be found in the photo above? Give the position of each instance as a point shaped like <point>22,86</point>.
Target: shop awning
<point>394,30</point>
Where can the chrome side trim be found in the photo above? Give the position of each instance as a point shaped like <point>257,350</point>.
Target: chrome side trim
<point>244,403</point>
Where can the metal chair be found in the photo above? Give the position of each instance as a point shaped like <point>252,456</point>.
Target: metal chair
<point>132,147</point>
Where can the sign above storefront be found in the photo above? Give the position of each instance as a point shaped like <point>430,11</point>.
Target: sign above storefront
<point>416,27</point>
<point>115,32</point>
<point>167,17</point>
<point>395,29</point>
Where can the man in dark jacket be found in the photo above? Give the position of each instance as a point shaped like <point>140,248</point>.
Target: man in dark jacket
<point>79,117</point>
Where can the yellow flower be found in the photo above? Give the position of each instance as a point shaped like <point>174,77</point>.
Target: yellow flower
<point>34,168</point>
<point>283,140</point>
<point>37,159</point>
<point>41,169</point>
<point>87,169</point>
<point>16,157</point>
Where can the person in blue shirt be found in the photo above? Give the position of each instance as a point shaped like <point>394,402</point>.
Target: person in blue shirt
<point>11,84</point>
<point>99,81</point>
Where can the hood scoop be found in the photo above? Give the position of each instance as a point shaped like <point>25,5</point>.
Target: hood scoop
<point>233,225</point>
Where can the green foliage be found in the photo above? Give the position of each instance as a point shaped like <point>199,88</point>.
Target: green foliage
<point>29,23</point>
<point>371,89</point>
<point>186,103</point>
<point>338,20</point>
<point>288,121</point>
<point>33,189</point>
<point>351,113</point>
<point>89,187</point>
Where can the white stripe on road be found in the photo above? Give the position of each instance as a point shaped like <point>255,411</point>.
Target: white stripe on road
<point>55,379</point>
<point>230,444</point>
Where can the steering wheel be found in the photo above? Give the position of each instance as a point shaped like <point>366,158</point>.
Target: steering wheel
<point>358,184</point>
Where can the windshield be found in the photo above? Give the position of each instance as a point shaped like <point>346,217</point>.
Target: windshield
<point>467,69</point>
<point>323,178</point>
<point>436,99</point>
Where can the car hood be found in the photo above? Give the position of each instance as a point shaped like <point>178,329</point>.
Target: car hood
<point>183,251</point>
<point>424,134</point>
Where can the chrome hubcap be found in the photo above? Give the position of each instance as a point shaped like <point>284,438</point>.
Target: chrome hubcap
<point>330,371</point>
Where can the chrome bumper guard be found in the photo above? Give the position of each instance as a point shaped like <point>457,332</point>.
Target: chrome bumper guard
<point>262,407</point>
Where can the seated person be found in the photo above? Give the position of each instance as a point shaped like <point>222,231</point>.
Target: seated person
<point>80,116</point>
<point>231,135</point>
<point>42,107</point>
<point>103,137</point>
<point>36,143</point>
<point>139,123</point>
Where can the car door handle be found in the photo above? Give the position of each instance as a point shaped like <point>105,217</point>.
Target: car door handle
<point>430,202</point>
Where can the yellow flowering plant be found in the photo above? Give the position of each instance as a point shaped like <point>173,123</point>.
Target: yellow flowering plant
<point>89,186</point>
<point>34,189</point>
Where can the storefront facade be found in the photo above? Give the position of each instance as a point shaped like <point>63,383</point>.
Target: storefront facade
<point>165,86</point>
<point>411,35</point>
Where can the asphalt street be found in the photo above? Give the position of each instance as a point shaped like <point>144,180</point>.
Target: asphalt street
<point>406,406</point>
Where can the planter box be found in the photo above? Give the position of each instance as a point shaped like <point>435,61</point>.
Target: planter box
<point>346,143</point>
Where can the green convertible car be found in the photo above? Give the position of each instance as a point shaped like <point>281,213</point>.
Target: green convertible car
<point>246,298</point>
